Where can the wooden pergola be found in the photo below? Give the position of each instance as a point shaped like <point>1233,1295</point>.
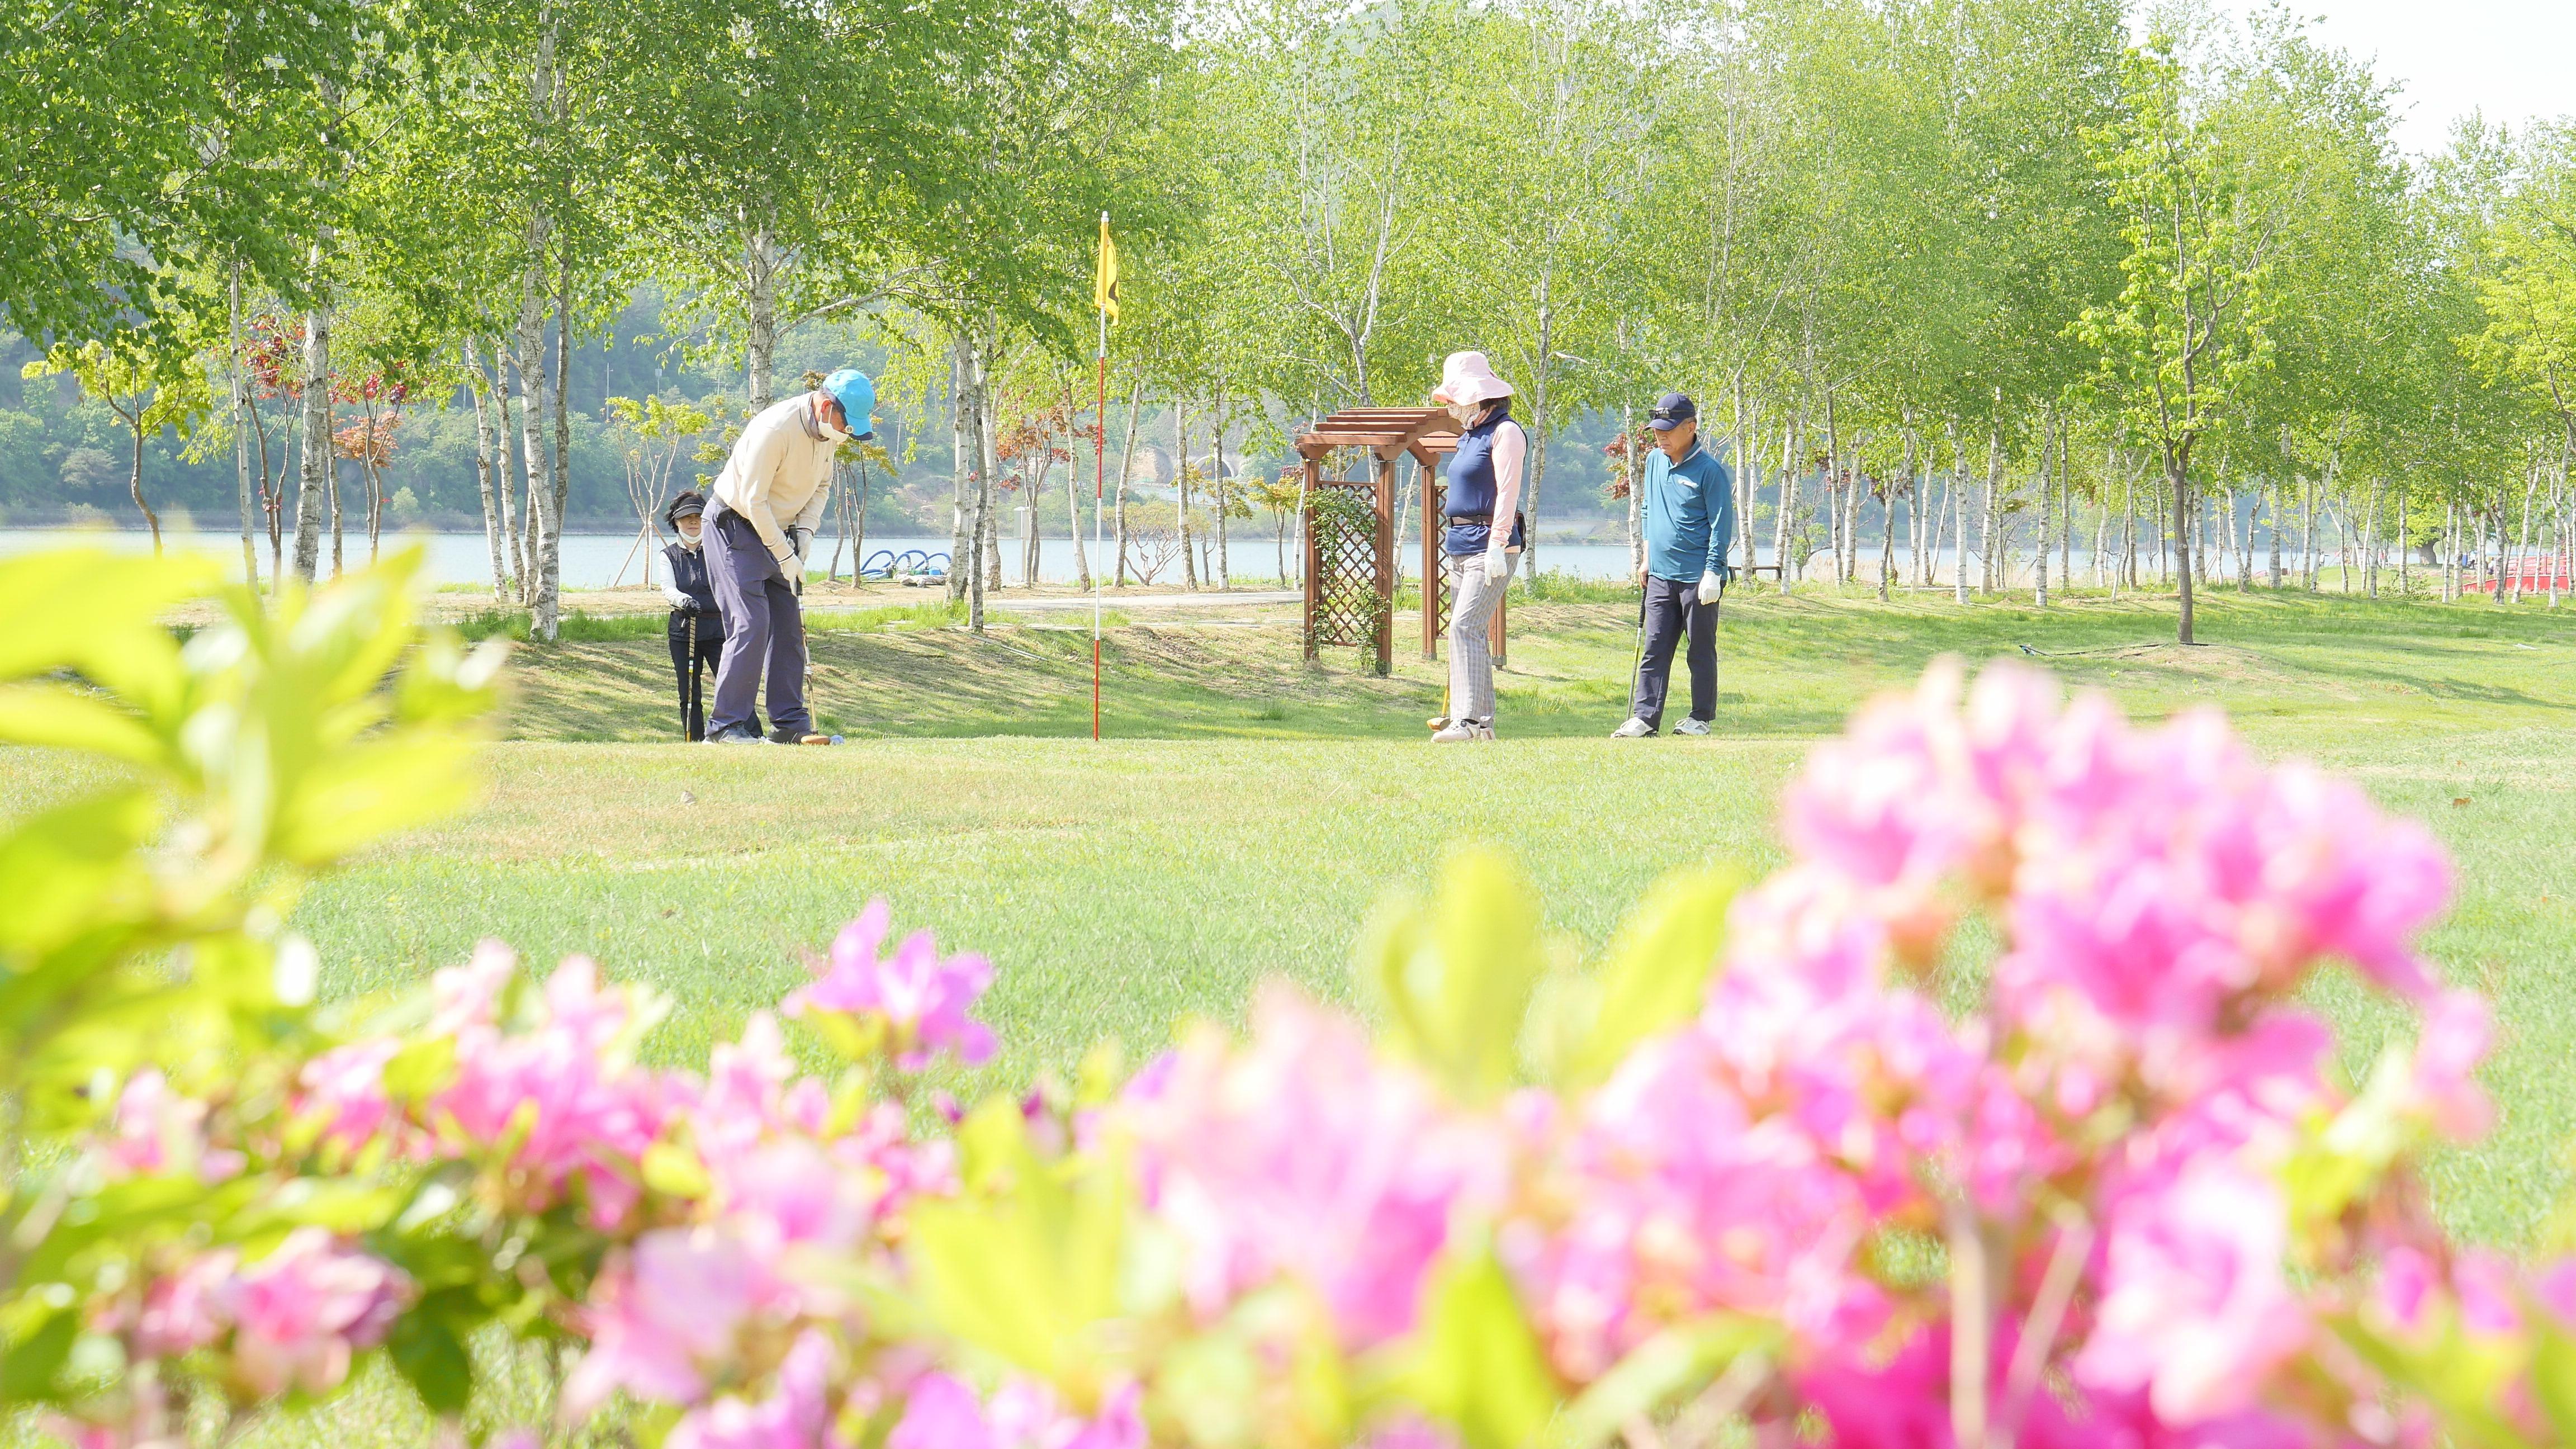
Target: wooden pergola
<point>1350,581</point>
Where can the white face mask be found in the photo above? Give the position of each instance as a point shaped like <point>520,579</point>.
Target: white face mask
<point>1466,413</point>
<point>822,422</point>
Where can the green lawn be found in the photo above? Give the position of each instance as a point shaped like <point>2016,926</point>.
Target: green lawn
<point>1249,811</point>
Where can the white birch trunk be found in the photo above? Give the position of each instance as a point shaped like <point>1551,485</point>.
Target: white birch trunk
<point>484,462</point>
<point>313,477</point>
<point>239,394</point>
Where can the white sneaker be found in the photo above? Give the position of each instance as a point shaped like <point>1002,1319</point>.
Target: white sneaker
<point>1463,732</point>
<point>1634,729</point>
<point>1691,727</point>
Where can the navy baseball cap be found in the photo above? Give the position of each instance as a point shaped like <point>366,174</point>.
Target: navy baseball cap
<point>1671,411</point>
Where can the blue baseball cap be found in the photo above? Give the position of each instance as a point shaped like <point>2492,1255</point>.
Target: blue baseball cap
<point>1671,411</point>
<point>858,399</point>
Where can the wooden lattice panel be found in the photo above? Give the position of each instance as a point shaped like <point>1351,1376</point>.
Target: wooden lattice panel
<point>1436,496</point>
<point>1342,543</point>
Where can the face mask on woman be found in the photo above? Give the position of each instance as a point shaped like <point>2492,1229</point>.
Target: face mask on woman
<point>1466,413</point>
<point>690,529</point>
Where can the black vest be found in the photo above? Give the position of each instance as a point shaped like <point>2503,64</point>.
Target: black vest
<point>689,575</point>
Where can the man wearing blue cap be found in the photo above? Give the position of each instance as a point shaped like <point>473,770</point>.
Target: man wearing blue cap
<point>759,524</point>
<point>1690,524</point>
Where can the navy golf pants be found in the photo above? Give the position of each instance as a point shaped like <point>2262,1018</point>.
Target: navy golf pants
<point>1673,611</point>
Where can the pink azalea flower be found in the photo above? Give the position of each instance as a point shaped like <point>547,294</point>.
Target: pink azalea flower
<point>565,1092</point>
<point>1305,1155</point>
<point>675,1308</point>
<point>299,1313</point>
<point>922,998</point>
<point>344,1090</point>
<point>798,1413</point>
<point>154,1130</point>
<point>2554,1289</point>
<point>2407,1282</point>
<point>941,1413</point>
<point>1679,1202</point>
<point>470,995</point>
<point>2458,1028</point>
<point>790,1192</point>
<point>2490,1298</point>
<point>182,1312</point>
<point>2196,1307</point>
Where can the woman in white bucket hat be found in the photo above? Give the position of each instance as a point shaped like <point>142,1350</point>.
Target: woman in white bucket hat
<point>1484,534</point>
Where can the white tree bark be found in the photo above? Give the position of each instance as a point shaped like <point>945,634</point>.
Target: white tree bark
<point>313,479</point>
<point>1959,518</point>
<point>760,314</point>
<point>240,377</point>
<point>484,465</point>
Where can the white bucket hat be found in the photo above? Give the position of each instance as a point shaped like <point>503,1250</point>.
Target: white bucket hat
<point>1467,378</point>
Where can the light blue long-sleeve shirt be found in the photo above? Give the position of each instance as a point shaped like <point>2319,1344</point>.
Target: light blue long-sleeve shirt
<point>1690,515</point>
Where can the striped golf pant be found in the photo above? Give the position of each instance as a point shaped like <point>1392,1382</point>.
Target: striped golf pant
<point>1471,662</point>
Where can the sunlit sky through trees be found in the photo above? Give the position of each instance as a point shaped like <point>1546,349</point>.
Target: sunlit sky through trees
<point>2508,58</point>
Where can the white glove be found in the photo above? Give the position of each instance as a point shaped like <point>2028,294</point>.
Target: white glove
<point>1710,586</point>
<point>800,539</point>
<point>679,600</point>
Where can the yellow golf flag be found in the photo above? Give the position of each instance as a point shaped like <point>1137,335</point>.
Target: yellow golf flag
<point>1104,287</point>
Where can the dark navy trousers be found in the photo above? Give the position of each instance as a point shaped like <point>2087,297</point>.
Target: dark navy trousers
<point>1673,611</point>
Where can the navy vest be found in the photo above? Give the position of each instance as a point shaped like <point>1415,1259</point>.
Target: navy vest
<point>689,575</point>
<point>1471,486</point>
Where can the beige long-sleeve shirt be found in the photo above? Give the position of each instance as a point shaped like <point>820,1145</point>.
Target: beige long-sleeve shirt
<point>780,473</point>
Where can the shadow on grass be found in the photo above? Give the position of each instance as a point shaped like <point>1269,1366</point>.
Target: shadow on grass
<point>1790,666</point>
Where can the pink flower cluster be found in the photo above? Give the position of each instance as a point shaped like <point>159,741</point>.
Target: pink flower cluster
<point>2112,1195</point>
<point>920,998</point>
<point>155,1130</point>
<point>2139,1063</point>
<point>942,1412</point>
<point>1306,1156</point>
<point>291,1319</point>
<point>2115,1116</point>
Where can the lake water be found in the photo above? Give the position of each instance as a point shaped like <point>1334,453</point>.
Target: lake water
<point>598,560</point>
<point>601,560</point>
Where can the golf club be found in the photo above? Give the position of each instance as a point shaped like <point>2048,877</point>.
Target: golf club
<point>1638,665</point>
<point>689,705</point>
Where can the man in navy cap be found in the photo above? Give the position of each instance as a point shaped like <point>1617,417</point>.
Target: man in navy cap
<point>1690,524</point>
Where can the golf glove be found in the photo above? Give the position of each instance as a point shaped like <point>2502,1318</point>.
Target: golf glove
<point>1710,586</point>
<point>679,601</point>
<point>800,539</point>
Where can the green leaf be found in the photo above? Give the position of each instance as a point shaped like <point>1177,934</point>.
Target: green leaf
<point>29,1364</point>
<point>432,1360</point>
<point>1663,1369</point>
<point>2553,1378</point>
<point>63,869</point>
<point>1659,968</point>
<point>53,716</point>
<point>1458,984</point>
<point>1478,1366</point>
<point>675,1172</point>
<point>420,1069</point>
<point>97,612</point>
<point>1025,1264</point>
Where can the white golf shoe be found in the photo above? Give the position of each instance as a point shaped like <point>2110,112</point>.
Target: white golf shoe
<point>1634,729</point>
<point>1691,727</point>
<point>1463,732</point>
